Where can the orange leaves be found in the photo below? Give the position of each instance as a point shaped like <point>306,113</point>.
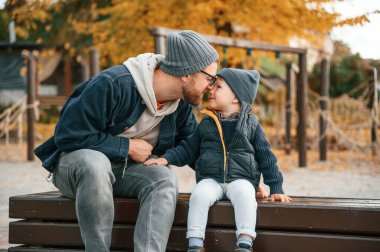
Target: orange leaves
<point>360,20</point>
<point>27,14</point>
<point>272,21</point>
<point>121,29</point>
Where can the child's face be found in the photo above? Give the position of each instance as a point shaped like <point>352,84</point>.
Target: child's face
<point>221,96</point>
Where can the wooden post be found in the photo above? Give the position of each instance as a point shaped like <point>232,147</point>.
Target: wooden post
<point>68,86</point>
<point>302,111</point>
<point>85,69</point>
<point>324,110</point>
<point>6,127</point>
<point>37,83</point>
<point>159,42</point>
<point>31,88</point>
<point>94,61</point>
<point>288,108</point>
<point>374,102</point>
<point>20,128</point>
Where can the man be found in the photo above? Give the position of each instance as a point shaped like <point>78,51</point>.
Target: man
<point>116,120</point>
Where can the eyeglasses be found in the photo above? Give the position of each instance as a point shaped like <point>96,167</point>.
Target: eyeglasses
<point>213,78</point>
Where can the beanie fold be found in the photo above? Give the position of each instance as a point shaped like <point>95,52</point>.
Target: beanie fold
<point>244,83</point>
<point>187,53</point>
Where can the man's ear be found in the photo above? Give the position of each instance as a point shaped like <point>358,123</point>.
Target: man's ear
<point>185,78</point>
<point>235,100</point>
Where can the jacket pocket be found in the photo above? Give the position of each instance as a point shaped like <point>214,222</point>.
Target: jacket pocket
<point>240,166</point>
<point>210,164</point>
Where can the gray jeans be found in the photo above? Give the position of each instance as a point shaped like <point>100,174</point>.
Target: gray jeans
<point>92,180</point>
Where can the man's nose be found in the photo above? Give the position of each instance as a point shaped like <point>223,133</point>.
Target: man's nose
<point>209,87</point>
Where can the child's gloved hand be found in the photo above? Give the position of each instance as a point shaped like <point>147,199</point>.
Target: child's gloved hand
<point>280,197</point>
<point>261,194</point>
<point>156,161</point>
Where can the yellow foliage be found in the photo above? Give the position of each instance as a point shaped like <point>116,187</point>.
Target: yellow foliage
<point>354,21</point>
<point>31,11</point>
<point>126,32</point>
<point>122,29</point>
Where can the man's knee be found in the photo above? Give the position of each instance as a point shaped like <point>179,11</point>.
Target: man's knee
<point>90,165</point>
<point>171,178</point>
<point>162,177</point>
<point>163,173</point>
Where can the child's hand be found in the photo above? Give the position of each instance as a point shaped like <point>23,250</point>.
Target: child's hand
<point>280,197</point>
<point>156,161</point>
<point>261,194</point>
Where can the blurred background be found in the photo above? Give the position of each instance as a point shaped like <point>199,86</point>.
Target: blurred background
<point>56,45</point>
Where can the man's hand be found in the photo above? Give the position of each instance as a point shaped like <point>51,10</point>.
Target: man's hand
<point>261,194</point>
<point>139,150</point>
<point>280,197</point>
<point>156,161</point>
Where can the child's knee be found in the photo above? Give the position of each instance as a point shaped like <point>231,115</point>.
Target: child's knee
<point>241,189</point>
<point>202,198</point>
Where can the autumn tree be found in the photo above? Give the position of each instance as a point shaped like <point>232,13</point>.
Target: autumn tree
<point>120,29</point>
<point>347,71</point>
<point>126,31</point>
<point>53,23</point>
<point>4,22</point>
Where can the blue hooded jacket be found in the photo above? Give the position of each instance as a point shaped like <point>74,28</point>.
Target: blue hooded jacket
<point>99,110</point>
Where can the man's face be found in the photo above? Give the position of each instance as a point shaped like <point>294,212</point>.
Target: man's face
<point>198,85</point>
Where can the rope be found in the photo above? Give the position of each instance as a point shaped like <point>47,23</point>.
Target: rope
<point>348,120</point>
<point>34,106</point>
<point>14,115</point>
<point>345,110</point>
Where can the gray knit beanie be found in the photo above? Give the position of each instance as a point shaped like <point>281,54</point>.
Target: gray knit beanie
<point>187,53</point>
<point>244,83</point>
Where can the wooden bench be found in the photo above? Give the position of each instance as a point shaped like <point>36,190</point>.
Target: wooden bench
<point>307,224</point>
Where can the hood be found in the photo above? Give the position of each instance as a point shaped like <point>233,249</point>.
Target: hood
<point>142,69</point>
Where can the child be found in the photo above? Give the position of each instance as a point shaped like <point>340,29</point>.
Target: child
<point>231,152</point>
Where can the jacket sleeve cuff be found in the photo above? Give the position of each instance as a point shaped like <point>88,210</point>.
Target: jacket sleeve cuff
<point>124,147</point>
<point>170,158</point>
<point>276,189</point>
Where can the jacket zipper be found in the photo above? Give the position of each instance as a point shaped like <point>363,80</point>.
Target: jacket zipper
<point>215,118</point>
<point>228,160</point>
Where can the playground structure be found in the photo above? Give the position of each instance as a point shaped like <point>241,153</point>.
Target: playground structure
<point>352,123</point>
<point>314,114</point>
<point>29,104</point>
<point>318,107</point>
<point>309,112</point>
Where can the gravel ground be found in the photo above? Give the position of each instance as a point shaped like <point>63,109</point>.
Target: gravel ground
<point>17,178</point>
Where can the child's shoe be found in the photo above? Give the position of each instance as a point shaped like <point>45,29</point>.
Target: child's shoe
<point>242,247</point>
<point>196,249</point>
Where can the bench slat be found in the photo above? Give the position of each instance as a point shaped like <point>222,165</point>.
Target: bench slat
<point>48,249</point>
<point>361,203</point>
<point>67,234</point>
<point>303,214</point>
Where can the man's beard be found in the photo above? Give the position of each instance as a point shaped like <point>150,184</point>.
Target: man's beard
<point>192,96</point>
